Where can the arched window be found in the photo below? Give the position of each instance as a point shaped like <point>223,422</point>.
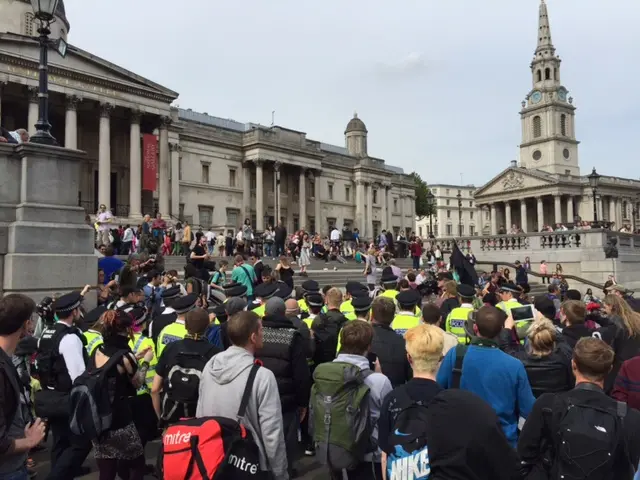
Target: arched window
<point>563,125</point>
<point>537,127</point>
<point>539,74</point>
<point>547,74</point>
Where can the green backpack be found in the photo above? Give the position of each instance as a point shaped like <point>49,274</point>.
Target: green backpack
<point>342,425</point>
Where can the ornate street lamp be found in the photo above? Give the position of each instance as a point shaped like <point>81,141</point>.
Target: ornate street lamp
<point>44,12</point>
<point>459,197</point>
<point>431,204</point>
<point>594,180</point>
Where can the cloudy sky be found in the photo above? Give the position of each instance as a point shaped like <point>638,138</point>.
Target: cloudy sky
<point>438,83</point>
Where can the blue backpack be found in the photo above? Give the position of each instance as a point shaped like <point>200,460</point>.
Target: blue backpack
<point>214,335</point>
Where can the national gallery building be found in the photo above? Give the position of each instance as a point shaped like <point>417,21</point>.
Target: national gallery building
<point>209,171</point>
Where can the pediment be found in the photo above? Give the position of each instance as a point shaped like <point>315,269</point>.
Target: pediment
<point>514,179</point>
<point>79,62</point>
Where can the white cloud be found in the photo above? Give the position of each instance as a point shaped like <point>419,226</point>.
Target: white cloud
<point>411,63</point>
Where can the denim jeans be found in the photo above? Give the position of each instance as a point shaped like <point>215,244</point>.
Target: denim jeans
<point>20,474</point>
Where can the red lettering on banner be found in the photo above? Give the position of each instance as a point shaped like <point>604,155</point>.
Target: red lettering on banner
<point>149,161</point>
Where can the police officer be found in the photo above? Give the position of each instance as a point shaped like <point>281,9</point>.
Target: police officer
<point>176,330</point>
<point>456,319</point>
<point>235,289</point>
<point>406,316</point>
<point>308,286</point>
<point>263,292</point>
<point>315,303</point>
<point>361,307</point>
<point>61,358</point>
<point>389,283</point>
<point>93,336</point>
<point>352,289</point>
<point>168,315</point>
<point>507,293</point>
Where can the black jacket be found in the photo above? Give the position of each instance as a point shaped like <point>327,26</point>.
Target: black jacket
<point>391,352</point>
<point>280,235</point>
<point>537,438</point>
<point>572,333</point>
<point>283,352</point>
<point>551,373</point>
<point>624,346</point>
<point>326,328</point>
<point>447,306</point>
<point>258,268</point>
<point>305,333</point>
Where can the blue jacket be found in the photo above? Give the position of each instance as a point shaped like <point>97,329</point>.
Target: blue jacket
<point>496,377</point>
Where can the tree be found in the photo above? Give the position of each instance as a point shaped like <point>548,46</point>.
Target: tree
<point>423,208</point>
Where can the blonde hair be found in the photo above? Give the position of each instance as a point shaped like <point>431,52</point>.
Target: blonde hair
<point>333,298</point>
<point>620,307</point>
<point>451,288</point>
<point>542,337</point>
<point>425,343</point>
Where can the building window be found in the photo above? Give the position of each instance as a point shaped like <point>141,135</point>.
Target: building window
<point>472,230</point>
<point>539,75</point>
<point>179,168</point>
<point>461,227</point>
<point>470,215</point>
<point>487,215</point>
<point>28,24</point>
<point>312,190</point>
<point>420,231</point>
<point>537,127</point>
<point>347,194</point>
<point>312,224</point>
<point>563,125</point>
<point>330,191</point>
<point>375,196</point>
<point>296,223</point>
<point>205,216</point>
<point>547,74</point>
<point>395,205</point>
<point>625,214</point>
<point>470,204</point>
<point>232,217</point>
<point>447,202</point>
<point>435,230</point>
<point>447,191</point>
<point>252,181</point>
<point>205,174</point>
<point>232,177</point>
<point>449,230</point>
<point>181,211</point>
<point>448,213</point>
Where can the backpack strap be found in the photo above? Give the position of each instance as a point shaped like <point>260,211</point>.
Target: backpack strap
<point>244,403</point>
<point>456,376</point>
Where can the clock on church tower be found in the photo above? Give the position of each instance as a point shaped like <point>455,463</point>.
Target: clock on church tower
<point>548,114</point>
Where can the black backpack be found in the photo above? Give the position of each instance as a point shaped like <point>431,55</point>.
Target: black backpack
<point>408,438</point>
<point>587,440</point>
<point>91,400</point>
<point>182,386</point>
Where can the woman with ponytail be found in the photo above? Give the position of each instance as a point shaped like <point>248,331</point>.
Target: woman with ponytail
<point>119,451</point>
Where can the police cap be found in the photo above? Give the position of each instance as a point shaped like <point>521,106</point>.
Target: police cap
<point>185,304</point>
<point>238,290</point>
<point>466,291</point>
<point>171,292</point>
<point>282,290</point>
<point>361,303</point>
<point>220,312</point>
<point>353,288</point>
<point>408,298</point>
<point>265,290</point>
<point>388,276</point>
<point>310,286</point>
<point>509,287</point>
<point>314,299</point>
<point>67,303</point>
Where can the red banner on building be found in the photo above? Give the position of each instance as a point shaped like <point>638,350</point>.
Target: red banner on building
<point>149,161</point>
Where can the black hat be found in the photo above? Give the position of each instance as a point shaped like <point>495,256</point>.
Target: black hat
<point>353,287</point>
<point>314,299</point>
<point>388,276</point>
<point>363,292</point>
<point>509,287</point>
<point>361,303</point>
<point>67,303</point>
<point>265,290</point>
<point>408,298</point>
<point>94,315</point>
<point>253,305</point>
<point>310,286</point>
<point>220,312</point>
<point>282,290</point>
<point>466,291</point>
<point>235,290</point>
<point>137,311</point>
<point>171,292</point>
<point>185,304</point>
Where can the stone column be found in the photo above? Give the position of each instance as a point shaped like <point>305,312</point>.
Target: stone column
<point>360,207</point>
<point>318,211</point>
<point>494,219</point>
<point>290,183</point>
<point>557,200</point>
<point>523,215</point>
<point>601,209</point>
<point>104,155</point>
<point>135,166</point>
<point>570,209</point>
<point>32,117</point>
<point>259,196</point>
<point>302,194</point>
<point>3,83</point>
<point>382,193</point>
<point>389,212</point>
<point>479,221</point>
<point>612,211</point>
<point>540,213</point>
<point>507,216</point>
<point>276,172</point>
<point>403,220</point>
<point>176,150</point>
<point>71,123</point>
<point>369,222</point>
<point>163,164</point>
<point>246,190</point>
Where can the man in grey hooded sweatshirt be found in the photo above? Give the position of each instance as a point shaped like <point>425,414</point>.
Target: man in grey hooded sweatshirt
<point>223,382</point>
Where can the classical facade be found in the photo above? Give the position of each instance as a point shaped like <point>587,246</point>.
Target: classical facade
<point>547,187</point>
<point>453,216</point>
<point>211,171</point>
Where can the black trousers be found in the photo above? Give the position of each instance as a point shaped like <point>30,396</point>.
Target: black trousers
<point>145,419</point>
<point>291,421</point>
<point>68,453</point>
<point>364,471</point>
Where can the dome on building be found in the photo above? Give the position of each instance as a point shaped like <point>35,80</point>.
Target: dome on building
<point>356,125</point>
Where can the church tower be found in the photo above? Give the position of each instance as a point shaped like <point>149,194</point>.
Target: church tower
<point>548,115</point>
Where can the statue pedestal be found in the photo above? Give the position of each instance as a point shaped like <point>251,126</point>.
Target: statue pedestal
<point>45,245</point>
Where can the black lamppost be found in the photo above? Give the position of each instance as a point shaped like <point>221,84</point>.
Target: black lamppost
<point>431,205</point>
<point>594,180</point>
<point>44,12</point>
<point>459,197</point>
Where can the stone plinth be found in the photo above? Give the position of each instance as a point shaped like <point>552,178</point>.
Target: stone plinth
<point>45,245</point>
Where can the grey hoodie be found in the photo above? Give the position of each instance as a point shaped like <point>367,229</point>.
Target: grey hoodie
<point>223,381</point>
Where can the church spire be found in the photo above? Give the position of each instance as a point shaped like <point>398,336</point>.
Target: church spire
<point>545,43</point>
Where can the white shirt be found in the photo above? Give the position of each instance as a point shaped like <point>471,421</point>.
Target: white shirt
<point>128,235</point>
<point>335,235</point>
<point>103,217</point>
<point>210,236</point>
<point>71,349</point>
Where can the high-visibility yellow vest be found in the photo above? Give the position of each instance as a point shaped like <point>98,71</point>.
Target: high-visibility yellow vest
<point>94,340</point>
<point>171,333</point>
<point>346,307</point>
<point>403,321</point>
<point>418,311</point>
<point>506,308</point>
<point>302,304</point>
<point>259,310</point>
<point>392,294</point>
<point>140,343</point>
<point>350,315</point>
<point>455,323</point>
